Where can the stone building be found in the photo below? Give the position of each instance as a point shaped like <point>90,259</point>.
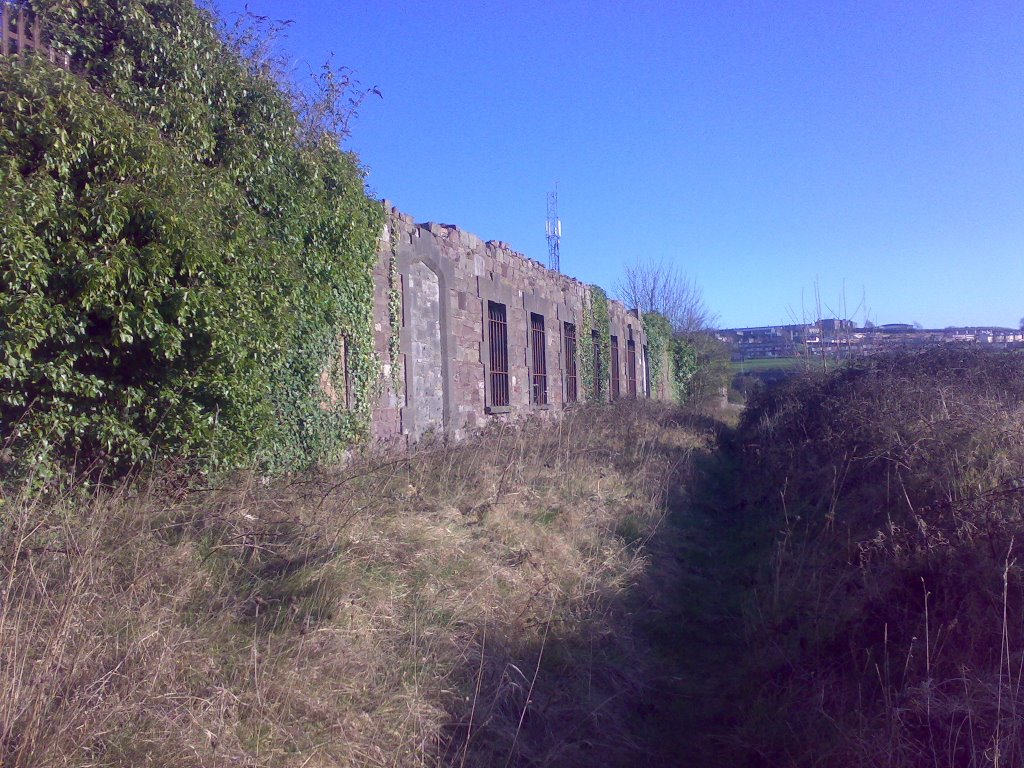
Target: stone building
<point>484,333</point>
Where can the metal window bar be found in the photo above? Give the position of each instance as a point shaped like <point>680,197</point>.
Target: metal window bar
<point>569,332</point>
<point>615,367</point>
<point>497,333</point>
<point>595,339</point>
<point>540,369</point>
<point>631,367</point>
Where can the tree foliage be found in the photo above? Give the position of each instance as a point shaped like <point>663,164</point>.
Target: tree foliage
<point>714,367</point>
<point>178,257</point>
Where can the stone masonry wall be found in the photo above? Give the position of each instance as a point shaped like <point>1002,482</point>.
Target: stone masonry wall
<point>446,277</point>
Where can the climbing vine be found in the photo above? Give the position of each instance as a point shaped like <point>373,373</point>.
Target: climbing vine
<point>186,259</point>
<point>659,337</point>
<point>683,368</point>
<point>586,350</point>
<point>595,318</point>
<point>394,309</point>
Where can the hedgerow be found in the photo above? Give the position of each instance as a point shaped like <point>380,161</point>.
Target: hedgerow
<point>183,258</point>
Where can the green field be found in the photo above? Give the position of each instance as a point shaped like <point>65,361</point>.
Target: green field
<point>769,364</point>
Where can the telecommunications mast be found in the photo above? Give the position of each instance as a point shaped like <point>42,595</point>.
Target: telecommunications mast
<point>554,231</point>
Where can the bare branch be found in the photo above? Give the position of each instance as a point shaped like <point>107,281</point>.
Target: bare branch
<point>654,286</point>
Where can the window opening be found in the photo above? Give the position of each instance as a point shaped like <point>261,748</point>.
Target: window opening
<point>497,332</point>
<point>540,370</point>
<point>569,333</point>
<point>595,339</point>
<point>615,367</point>
<point>631,367</point>
<point>647,373</point>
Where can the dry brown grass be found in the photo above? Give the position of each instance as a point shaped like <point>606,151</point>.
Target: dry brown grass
<point>465,605</point>
<point>887,628</point>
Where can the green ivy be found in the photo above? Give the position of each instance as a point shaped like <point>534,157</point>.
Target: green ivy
<point>394,309</point>
<point>586,369</point>
<point>683,369</point>
<point>180,257</point>
<point>595,318</point>
<point>659,337</point>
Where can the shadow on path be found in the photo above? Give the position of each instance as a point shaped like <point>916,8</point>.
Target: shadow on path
<point>702,567</point>
<point>661,666</point>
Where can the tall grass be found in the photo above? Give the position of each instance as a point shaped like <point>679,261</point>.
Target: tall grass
<point>888,625</point>
<point>464,605</point>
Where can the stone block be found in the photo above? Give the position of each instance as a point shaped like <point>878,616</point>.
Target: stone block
<point>470,241</point>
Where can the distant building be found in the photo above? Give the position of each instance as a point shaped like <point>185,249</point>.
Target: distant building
<point>837,338</point>
<point>835,325</point>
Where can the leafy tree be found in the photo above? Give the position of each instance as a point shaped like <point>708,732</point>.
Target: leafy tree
<point>683,368</point>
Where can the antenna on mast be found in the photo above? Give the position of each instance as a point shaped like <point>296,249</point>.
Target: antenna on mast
<point>554,231</point>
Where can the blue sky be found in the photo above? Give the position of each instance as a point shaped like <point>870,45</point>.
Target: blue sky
<point>769,149</point>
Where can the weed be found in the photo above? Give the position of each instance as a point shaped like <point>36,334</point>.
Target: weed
<point>887,624</point>
<point>464,604</point>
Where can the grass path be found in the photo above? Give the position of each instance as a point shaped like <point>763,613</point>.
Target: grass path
<point>707,555</point>
<point>538,603</point>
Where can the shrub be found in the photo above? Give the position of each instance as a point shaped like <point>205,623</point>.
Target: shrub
<point>891,603</point>
<point>181,254</point>
<point>683,367</point>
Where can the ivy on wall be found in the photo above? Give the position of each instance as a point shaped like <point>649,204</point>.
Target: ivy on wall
<point>683,368</point>
<point>181,253</point>
<point>659,337</point>
<point>394,308</point>
<point>595,318</point>
<point>586,343</point>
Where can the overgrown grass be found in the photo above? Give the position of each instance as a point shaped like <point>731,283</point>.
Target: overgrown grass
<point>885,628</point>
<point>472,604</point>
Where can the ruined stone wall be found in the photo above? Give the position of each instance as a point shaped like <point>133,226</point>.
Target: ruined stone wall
<point>440,381</point>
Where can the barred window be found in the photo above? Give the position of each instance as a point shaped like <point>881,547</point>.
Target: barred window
<point>615,367</point>
<point>497,333</point>
<point>540,369</point>
<point>569,335</point>
<point>631,367</point>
